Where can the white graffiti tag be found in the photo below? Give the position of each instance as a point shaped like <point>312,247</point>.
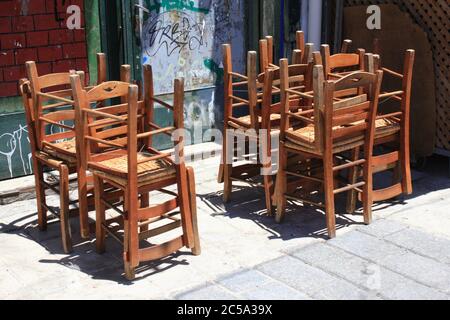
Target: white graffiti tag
<point>12,143</point>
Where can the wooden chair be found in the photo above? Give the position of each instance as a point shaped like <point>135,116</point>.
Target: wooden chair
<point>50,119</point>
<point>131,164</point>
<point>258,127</point>
<point>392,126</point>
<point>333,132</point>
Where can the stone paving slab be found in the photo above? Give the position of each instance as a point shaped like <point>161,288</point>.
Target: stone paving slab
<point>363,273</point>
<point>317,283</point>
<point>422,243</point>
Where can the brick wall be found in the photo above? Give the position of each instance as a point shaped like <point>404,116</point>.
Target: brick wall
<point>36,30</point>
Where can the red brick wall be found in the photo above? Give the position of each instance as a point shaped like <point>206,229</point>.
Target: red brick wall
<point>30,30</point>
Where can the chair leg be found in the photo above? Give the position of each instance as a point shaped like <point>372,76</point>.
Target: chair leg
<point>99,215</point>
<point>281,185</point>
<point>64,208</point>
<point>129,266</point>
<point>145,203</point>
<point>352,195</point>
<point>196,250</point>
<point>40,194</point>
<point>227,186</point>
<point>227,169</point>
<point>83,204</point>
<point>268,191</point>
<point>406,170</point>
<point>184,204</point>
<point>367,196</point>
<point>130,274</point>
<point>329,195</point>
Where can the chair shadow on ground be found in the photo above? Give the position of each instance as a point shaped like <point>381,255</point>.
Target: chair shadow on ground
<point>84,258</point>
<point>306,221</point>
<point>246,203</point>
<point>301,221</point>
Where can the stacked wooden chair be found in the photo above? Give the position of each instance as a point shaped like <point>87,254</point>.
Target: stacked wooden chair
<point>392,127</point>
<point>50,118</point>
<point>259,127</point>
<point>117,142</point>
<point>338,126</point>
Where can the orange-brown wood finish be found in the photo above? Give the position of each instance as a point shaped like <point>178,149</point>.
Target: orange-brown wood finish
<point>393,128</point>
<point>115,141</point>
<point>48,103</point>
<point>337,126</point>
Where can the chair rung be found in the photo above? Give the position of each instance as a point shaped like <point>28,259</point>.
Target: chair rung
<point>161,250</point>
<point>170,216</point>
<point>52,211</point>
<point>50,186</point>
<point>349,165</point>
<point>349,187</point>
<point>160,230</point>
<point>299,175</point>
<point>388,193</point>
<point>112,233</point>
<point>112,206</point>
<point>320,205</point>
<point>157,210</point>
<point>385,159</point>
<point>253,184</point>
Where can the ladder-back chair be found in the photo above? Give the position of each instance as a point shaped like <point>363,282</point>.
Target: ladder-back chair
<point>50,117</point>
<point>133,165</point>
<point>258,127</point>
<point>338,126</point>
<point>393,126</point>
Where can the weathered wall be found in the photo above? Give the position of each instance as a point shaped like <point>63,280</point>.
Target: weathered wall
<point>184,38</point>
<point>31,30</point>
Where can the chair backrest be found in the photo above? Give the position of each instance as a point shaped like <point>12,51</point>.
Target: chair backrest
<point>295,76</point>
<point>402,95</point>
<point>52,105</point>
<point>294,95</point>
<point>122,129</point>
<point>52,102</point>
<point>349,118</point>
<point>333,120</point>
<point>247,83</point>
<point>340,62</point>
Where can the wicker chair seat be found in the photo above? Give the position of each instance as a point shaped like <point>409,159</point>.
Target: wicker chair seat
<point>303,139</point>
<point>387,127</point>
<point>65,150</point>
<point>116,170</point>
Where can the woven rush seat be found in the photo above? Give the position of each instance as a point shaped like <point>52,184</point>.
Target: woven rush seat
<point>305,140</point>
<point>148,172</point>
<point>273,117</point>
<point>65,150</point>
<point>386,127</point>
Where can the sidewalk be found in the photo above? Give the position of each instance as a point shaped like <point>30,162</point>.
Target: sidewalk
<point>404,254</point>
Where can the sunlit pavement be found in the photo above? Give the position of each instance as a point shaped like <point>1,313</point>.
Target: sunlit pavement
<point>404,254</point>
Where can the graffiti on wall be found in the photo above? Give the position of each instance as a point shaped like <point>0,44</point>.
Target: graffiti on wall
<point>15,153</point>
<point>184,38</point>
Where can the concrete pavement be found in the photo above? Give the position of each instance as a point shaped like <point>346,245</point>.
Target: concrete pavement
<point>404,254</point>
